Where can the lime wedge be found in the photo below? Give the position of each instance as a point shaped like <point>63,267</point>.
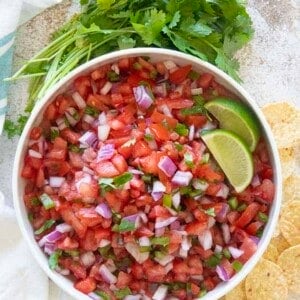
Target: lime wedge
<point>232,155</point>
<point>236,117</point>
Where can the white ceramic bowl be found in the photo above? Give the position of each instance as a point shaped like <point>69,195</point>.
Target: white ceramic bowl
<point>155,54</point>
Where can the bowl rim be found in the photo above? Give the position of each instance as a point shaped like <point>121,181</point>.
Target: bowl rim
<point>222,288</point>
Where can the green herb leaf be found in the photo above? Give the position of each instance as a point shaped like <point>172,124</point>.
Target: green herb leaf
<point>122,293</point>
<point>91,111</point>
<point>13,129</point>
<point>162,241</point>
<point>210,212</point>
<point>75,148</point>
<point>122,179</point>
<point>148,137</point>
<point>188,159</point>
<point>175,20</point>
<point>237,266</point>
<point>198,107</point>
<point>124,226</point>
<point>181,129</point>
<point>113,76</point>
<point>48,224</point>
<point>213,261</point>
<point>103,295</point>
<point>263,217</point>
<point>53,259</point>
<point>125,42</point>
<point>54,133</point>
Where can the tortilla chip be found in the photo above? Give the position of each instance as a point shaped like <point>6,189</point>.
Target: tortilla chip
<point>237,293</point>
<point>289,222</point>
<point>284,120</point>
<point>271,253</point>
<point>291,189</point>
<point>288,161</point>
<point>266,281</point>
<point>289,261</point>
<point>280,243</point>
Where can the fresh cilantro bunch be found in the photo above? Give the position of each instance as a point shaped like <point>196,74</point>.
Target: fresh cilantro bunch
<point>212,30</point>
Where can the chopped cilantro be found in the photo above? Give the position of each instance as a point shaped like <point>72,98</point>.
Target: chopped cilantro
<point>73,253</point>
<point>262,217</point>
<point>241,207</point>
<point>181,129</point>
<point>122,293</point>
<point>193,75</point>
<point>226,253</point>
<point>213,260</point>
<point>122,179</point>
<point>167,200</point>
<point>75,148</point>
<point>178,146</point>
<point>15,128</point>
<point>35,201</point>
<point>210,212</point>
<point>161,240</point>
<point>48,224</point>
<point>205,158</point>
<point>147,178</point>
<point>233,203</point>
<point>197,108</point>
<point>91,111</point>
<point>188,159</point>
<point>113,76</point>
<point>148,137</point>
<point>53,259</point>
<point>124,226</point>
<point>54,133</point>
<point>237,266</point>
<point>108,184</point>
<point>103,295</point>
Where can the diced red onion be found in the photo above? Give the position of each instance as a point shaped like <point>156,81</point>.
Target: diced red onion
<point>64,272</point>
<point>183,253</point>
<point>55,181</point>
<point>163,261</point>
<point>106,152</point>
<point>34,154</point>
<point>221,216</point>
<point>61,124</point>
<point>255,181</point>
<point>179,89</point>
<point>160,293</point>
<point>106,88</point>
<point>152,144</point>
<point>88,138</point>
<point>160,231</point>
<point>191,132</point>
<point>94,87</point>
<point>157,190</point>
<point>88,119</point>
<point>197,277</point>
<point>164,222</point>
<point>223,275</point>
<point>166,110</point>
<point>255,239</point>
<point>218,249</point>
<point>144,241</point>
<point>168,267</point>
<point>110,265</point>
<point>135,171</point>
<point>175,225</point>
<point>160,90</point>
<point>211,222</point>
<point>115,68</point>
<point>144,217</point>
<point>226,233</point>
<point>84,178</point>
<point>182,178</point>
<point>205,240</point>
<point>167,165</point>
<point>103,132</point>
<point>197,91</point>
<point>70,112</point>
<point>107,275</point>
<point>87,258</point>
<point>104,243</point>
<point>64,227</point>
<point>78,100</point>
<point>133,297</point>
<point>188,217</point>
<point>135,219</point>
<point>94,296</point>
<point>134,250</point>
<point>169,64</point>
<point>142,97</point>
<point>104,210</point>
<point>176,198</point>
<point>235,252</point>
<point>51,237</point>
<point>186,243</point>
<point>49,248</point>
<point>223,191</point>
<point>85,169</point>
<point>200,184</point>
<point>102,118</point>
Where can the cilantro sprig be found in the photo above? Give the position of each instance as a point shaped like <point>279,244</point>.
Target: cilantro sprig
<point>210,30</point>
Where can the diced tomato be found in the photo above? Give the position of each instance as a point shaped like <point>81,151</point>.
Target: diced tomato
<point>159,118</point>
<point>249,247</point>
<point>134,79</point>
<point>196,228</point>
<point>206,172</point>
<point>82,85</point>
<point>179,75</point>
<point>124,280</point>
<point>175,103</point>
<point>28,172</point>
<point>51,112</point>
<point>205,80</point>
<point>106,169</point>
<point>197,121</point>
<point>160,132</point>
<point>40,178</point>
<point>159,211</point>
<point>67,244</point>
<point>57,168</point>
<point>100,73</point>
<point>35,133</point>
<point>141,149</point>
<point>248,214</point>
<point>266,190</point>
<point>70,135</point>
<point>253,228</point>
<point>98,101</point>
<point>124,63</point>
<point>120,163</point>
<point>86,286</point>
<point>137,271</point>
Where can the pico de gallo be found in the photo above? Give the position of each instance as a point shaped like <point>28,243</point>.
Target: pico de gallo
<point>122,193</point>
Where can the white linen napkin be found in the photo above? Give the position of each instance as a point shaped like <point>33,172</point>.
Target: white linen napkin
<point>12,13</point>
<point>20,275</point>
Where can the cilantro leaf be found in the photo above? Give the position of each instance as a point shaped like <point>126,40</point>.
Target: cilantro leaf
<point>122,179</point>
<point>122,293</point>
<point>124,226</point>
<point>107,184</point>
<point>210,212</point>
<point>125,42</point>
<point>15,128</point>
<point>53,259</point>
<point>151,25</point>
<point>161,240</point>
<point>175,20</point>
<point>48,224</point>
